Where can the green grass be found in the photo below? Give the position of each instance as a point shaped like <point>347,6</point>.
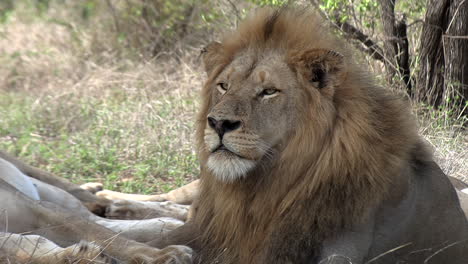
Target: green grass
<point>132,144</point>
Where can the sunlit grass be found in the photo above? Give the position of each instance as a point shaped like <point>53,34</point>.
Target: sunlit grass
<point>134,145</point>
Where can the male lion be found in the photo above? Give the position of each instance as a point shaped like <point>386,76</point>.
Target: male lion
<point>304,159</point>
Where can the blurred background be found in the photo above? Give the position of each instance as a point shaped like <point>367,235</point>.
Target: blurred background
<point>106,90</point>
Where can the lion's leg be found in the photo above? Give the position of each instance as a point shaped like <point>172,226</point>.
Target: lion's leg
<point>129,209</point>
<point>142,230</point>
<point>61,198</point>
<point>20,214</point>
<point>183,195</point>
<point>185,235</point>
<point>35,249</point>
<point>95,204</point>
<point>113,195</point>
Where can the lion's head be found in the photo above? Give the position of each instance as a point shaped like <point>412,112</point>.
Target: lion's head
<point>261,87</point>
<point>288,115</point>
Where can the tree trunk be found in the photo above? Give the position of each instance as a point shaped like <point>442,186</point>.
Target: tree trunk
<point>403,55</point>
<point>396,46</point>
<point>455,43</point>
<point>443,74</point>
<point>387,8</point>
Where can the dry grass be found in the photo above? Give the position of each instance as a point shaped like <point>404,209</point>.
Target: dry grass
<point>449,141</point>
<point>86,114</point>
<point>73,102</point>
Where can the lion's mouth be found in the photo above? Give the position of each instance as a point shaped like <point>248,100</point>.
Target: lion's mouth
<point>220,148</point>
<point>223,150</point>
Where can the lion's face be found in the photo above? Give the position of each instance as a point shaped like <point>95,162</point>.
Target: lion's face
<point>250,114</point>
<point>257,100</point>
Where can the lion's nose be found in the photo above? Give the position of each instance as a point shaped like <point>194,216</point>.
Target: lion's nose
<point>223,126</point>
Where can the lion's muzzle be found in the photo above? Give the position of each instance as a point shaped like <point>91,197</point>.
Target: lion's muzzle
<point>223,126</point>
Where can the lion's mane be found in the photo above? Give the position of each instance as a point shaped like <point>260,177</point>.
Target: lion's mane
<point>341,160</point>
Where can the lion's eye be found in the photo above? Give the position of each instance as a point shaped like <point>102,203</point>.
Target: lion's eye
<point>222,86</point>
<point>269,92</point>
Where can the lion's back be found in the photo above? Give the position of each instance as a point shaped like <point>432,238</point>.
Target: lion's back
<point>428,216</point>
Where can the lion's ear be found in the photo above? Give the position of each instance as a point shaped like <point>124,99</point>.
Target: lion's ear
<point>211,56</point>
<point>319,66</point>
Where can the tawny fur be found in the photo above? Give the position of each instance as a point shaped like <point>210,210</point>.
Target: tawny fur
<point>348,148</point>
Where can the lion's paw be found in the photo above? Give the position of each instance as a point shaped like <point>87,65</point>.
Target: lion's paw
<point>178,255</point>
<point>92,187</point>
<point>121,209</point>
<point>167,255</point>
<point>87,253</point>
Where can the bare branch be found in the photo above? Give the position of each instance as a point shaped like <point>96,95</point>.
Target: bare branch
<point>352,32</point>
<point>455,37</point>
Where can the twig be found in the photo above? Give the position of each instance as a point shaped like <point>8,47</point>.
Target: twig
<point>388,252</point>
<point>455,37</point>
<point>442,249</point>
<point>454,15</point>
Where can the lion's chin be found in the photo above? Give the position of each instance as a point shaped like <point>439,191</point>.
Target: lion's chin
<point>228,167</point>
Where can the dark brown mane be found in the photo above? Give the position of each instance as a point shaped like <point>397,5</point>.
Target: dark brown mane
<point>340,161</point>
